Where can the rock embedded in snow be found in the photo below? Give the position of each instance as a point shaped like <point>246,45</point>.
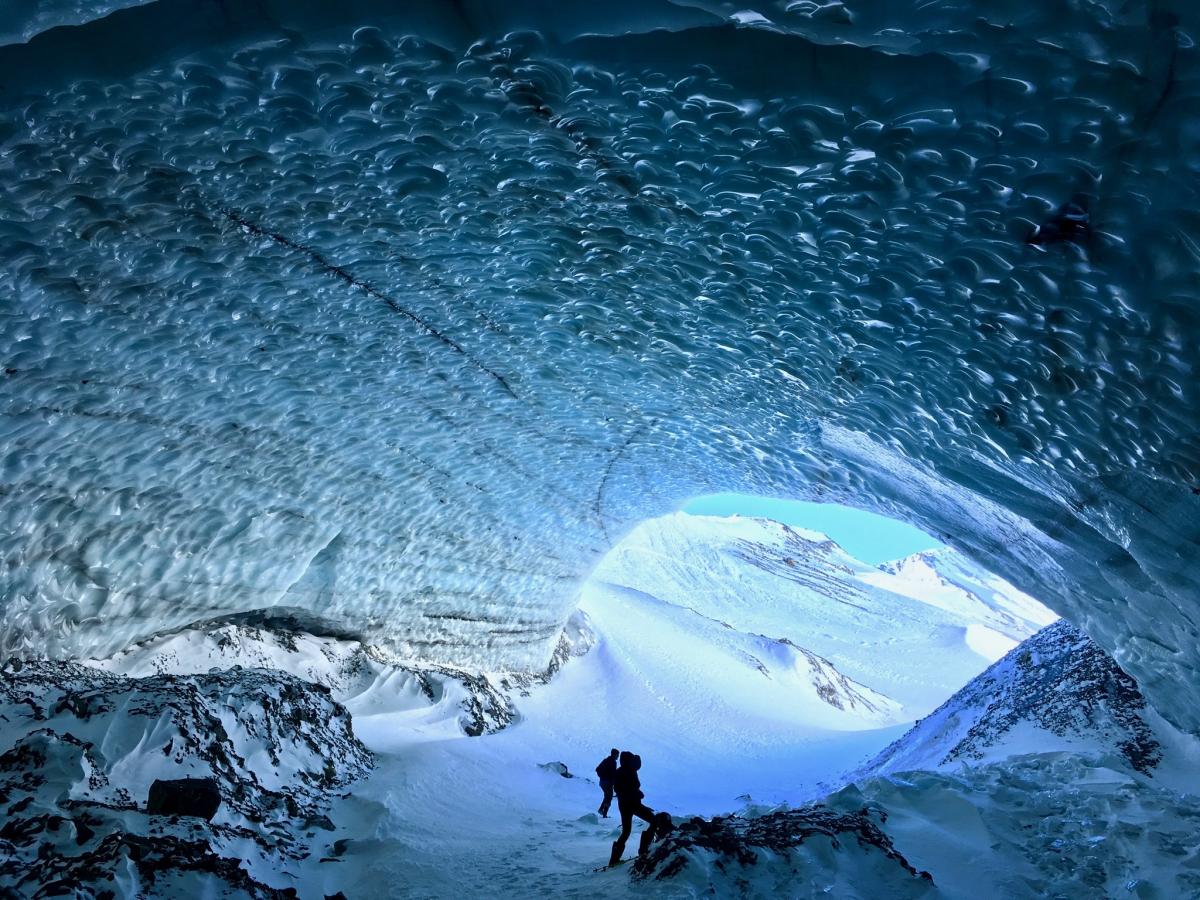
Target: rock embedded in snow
<point>766,855</point>
<point>184,797</point>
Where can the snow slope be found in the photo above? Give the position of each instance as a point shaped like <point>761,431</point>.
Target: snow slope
<point>903,630</point>
<point>1057,691</point>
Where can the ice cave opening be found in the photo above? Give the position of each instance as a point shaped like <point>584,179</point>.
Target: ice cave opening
<point>740,635</point>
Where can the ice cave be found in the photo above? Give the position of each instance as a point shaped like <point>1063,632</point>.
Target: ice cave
<point>360,357</point>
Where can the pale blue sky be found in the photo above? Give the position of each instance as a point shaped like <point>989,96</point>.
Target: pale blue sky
<point>866,536</point>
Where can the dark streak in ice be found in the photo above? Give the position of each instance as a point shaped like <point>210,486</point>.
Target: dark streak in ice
<point>598,503</point>
<point>339,272</point>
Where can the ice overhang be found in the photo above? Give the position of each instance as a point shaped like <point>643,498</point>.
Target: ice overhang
<point>402,317</point>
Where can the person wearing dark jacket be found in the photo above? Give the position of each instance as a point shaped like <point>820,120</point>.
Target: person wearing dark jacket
<point>607,770</point>
<point>628,788</point>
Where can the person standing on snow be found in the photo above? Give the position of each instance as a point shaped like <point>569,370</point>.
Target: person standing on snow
<point>607,770</point>
<point>628,788</point>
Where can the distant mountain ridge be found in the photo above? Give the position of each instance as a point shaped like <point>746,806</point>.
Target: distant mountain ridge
<point>945,578</point>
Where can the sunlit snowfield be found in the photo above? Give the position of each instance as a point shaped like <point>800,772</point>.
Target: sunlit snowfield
<point>689,670</point>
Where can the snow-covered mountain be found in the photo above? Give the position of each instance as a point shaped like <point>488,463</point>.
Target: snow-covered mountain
<point>1057,691</point>
<point>915,630</point>
<point>947,579</point>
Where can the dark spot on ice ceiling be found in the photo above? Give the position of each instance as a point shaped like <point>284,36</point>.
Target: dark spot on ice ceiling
<point>1070,223</point>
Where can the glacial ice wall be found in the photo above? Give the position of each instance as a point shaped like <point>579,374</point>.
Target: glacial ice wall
<point>400,314</point>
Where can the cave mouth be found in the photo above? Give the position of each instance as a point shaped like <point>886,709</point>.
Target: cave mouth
<point>743,630</point>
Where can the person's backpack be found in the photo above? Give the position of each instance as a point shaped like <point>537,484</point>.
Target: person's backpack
<point>607,770</point>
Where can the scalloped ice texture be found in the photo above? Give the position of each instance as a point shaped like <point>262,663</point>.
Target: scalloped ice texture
<point>405,324</point>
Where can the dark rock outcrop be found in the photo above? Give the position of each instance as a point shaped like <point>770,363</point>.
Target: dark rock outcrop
<point>78,745</point>
<point>1056,690</point>
<point>728,845</point>
<point>184,797</point>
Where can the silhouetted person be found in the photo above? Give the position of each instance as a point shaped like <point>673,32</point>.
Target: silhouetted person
<point>628,788</point>
<point>607,770</point>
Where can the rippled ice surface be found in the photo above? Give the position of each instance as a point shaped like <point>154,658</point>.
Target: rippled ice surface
<point>404,317</point>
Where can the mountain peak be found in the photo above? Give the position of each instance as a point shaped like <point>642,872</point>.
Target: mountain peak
<point>1057,690</point>
<point>928,557</point>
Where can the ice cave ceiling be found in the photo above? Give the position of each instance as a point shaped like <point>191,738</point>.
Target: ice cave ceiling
<point>400,313</point>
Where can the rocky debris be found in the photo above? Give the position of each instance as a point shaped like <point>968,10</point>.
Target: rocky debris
<point>240,768</point>
<point>811,564</point>
<point>357,674</point>
<point>1059,684</point>
<point>487,706</point>
<point>839,691</point>
<point>167,866</point>
<point>728,843</point>
<point>184,797</point>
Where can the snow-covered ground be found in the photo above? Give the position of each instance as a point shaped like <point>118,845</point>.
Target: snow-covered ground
<point>754,667</point>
